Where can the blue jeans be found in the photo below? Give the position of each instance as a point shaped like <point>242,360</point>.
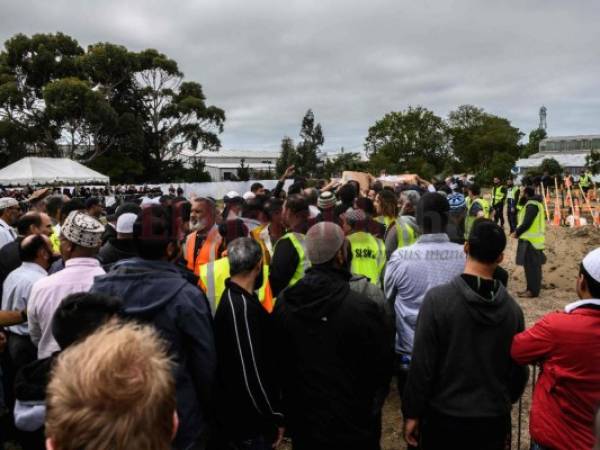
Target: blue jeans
<point>256,443</point>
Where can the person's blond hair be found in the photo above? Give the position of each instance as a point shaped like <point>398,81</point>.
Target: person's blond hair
<point>114,390</point>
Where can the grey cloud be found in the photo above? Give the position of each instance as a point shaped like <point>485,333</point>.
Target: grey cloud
<point>267,62</point>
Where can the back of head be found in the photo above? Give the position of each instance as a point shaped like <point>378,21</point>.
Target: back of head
<point>311,195</point>
<point>388,202</point>
<point>26,221</point>
<point>70,206</point>
<point>53,205</point>
<point>475,189</point>
<point>244,254</point>
<point>91,202</point>
<point>231,230</point>
<point>487,241</point>
<point>297,204</point>
<point>273,206</point>
<point>30,246</point>
<point>295,188</point>
<point>457,203</point>
<point>323,241</point>
<point>80,314</point>
<point>432,213</point>
<point>347,193</point>
<point>411,197</point>
<point>590,269</point>
<point>152,232</point>
<point>366,204</point>
<point>113,390</point>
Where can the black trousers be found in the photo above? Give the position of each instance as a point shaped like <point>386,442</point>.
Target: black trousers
<point>511,214</point>
<point>443,432</point>
<point>499,213</point>
<point>21,350</point>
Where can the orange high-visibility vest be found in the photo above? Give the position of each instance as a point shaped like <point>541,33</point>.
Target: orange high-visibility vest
<point>208,251</point>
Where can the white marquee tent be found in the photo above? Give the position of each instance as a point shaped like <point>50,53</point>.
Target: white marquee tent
<point>41,171</point>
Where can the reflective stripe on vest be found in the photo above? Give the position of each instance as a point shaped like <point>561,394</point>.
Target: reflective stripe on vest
<point>368,255</point>
<point>206,254</point>
<point>212,281</point>
<point>406,234</point>
<point>470,220</point>
<point>536,234</point>
<point>297,240</point>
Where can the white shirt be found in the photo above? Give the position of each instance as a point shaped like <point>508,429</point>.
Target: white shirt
<point>7,233</point>
<point>47,294</point>
<point>17,289</point>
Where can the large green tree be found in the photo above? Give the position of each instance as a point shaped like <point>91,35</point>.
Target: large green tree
<point>413,140</point>
<point>482,144</point>
<point>533,145</point>
<point>103,104</point>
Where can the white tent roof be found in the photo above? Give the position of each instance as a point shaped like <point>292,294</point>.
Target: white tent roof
<point>33,170</point>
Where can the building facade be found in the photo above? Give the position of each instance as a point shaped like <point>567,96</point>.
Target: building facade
<point>224,164</point>
<point>569,151</point>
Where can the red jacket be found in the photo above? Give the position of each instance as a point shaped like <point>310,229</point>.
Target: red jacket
<point>567,392</point>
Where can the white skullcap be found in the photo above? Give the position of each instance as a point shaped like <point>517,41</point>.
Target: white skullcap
<point>7,202</point>
<point>125,223</point>
<point>249,195</point>
<point>591,263</point>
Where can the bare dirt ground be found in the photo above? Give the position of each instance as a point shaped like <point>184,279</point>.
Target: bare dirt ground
<point>565,248</point>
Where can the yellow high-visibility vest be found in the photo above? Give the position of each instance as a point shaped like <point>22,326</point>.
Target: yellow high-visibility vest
<point>368,255</point>
<point>406,234</point>
<point>497,194</point>
<point>212,281</point>
<point>297,240</point>
<point>469,219</point>
<point>536,234</point>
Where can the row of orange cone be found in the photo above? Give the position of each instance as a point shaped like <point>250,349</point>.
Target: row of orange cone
<point>574,205</point>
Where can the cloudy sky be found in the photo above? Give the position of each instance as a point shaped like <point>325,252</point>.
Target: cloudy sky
<point>267,62</point>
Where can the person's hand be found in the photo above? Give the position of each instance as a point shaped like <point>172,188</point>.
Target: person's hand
<point>513,235</point>
<point>411,432</point>
<point>279,438</point>
<point>289,172</point>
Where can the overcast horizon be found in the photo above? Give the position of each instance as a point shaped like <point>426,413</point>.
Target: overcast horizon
<point>267,62</point>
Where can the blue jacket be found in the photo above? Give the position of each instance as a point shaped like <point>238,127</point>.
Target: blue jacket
<point>156,292</point>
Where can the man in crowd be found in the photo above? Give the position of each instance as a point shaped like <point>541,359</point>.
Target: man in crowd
<point>368,252</point>
<point>585,180</point>
<point>268,234</point>
<point>412,271</point>
<point>28,224</point>
<point>567,344</point>
<point>36,256</point>
<point>94,207</point>
<point>531,233</point>
<point>477,207</point>
<point>155,291</point>
<point>289,261</point>
<point>461,381</point>
<point>498,197</point>
<point>91,406</point>
<point>234,204</point>
<point>80,241</point>
<point>201,245</point>
<point>405,227</point>
<point>53,207</point>
<point>332,349</point>
<point>9,213</point>
<point>122,247</point>
<point>512,200</point>
<point>257,189</point>
<point>248,405</point>
<point>456,218</point>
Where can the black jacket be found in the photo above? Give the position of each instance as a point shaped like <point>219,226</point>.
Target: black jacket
<point>10,259</point>
<point>333,356</point>
<point>116,250</point>
<point>461,364</point>
<point>249,403</point>
<point>155,292</point>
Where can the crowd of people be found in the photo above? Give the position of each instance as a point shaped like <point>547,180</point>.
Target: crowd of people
<point>234,324</point>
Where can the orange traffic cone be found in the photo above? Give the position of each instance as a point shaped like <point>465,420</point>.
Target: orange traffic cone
<point>548,199</point>
<point>557,218</point>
